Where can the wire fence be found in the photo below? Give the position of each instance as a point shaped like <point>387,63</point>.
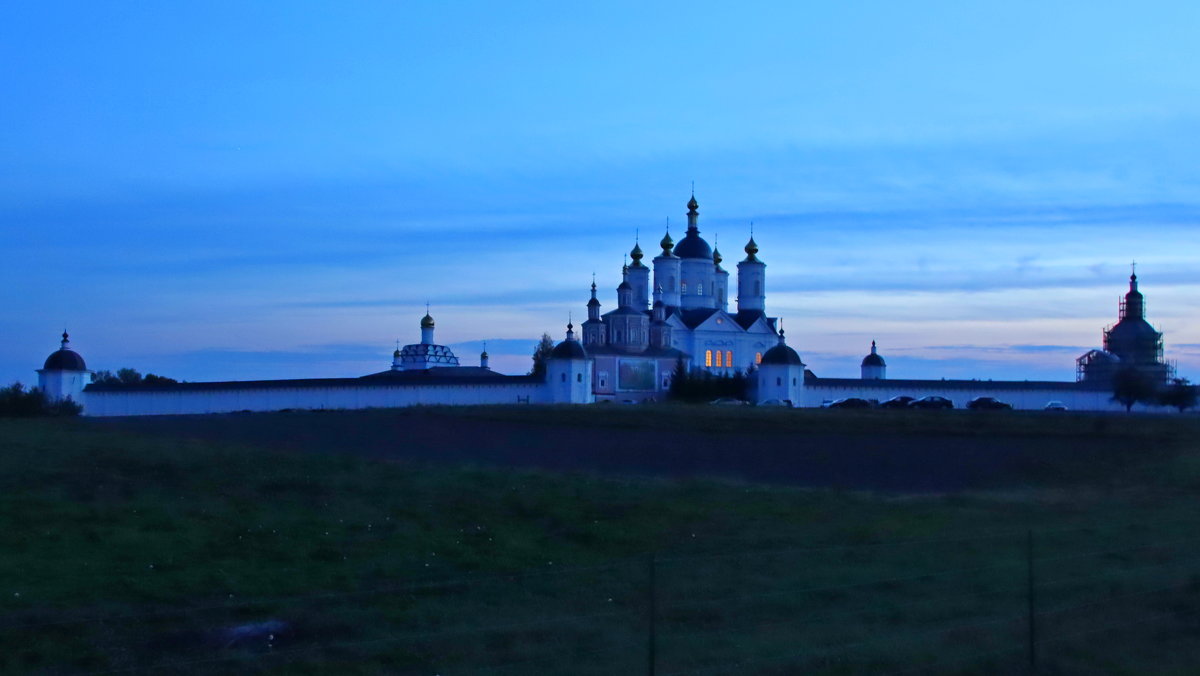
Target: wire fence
<point>994,602</point>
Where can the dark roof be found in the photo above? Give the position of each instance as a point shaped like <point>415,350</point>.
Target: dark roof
<point>746,318</point>
<point>625,311</point>
<point>695,316</point>
<point>655,352</point>
<point>1066,386</point>
<point>1133,328</point>
<point>693,246</point>
<point>452,375</point>
<point>783,355</point>
<point>873,360</point>
<point>568,349</point>
<point>65,360</point>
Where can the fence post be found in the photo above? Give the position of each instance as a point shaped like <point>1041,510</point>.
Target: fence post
<point>651,644</point>
<point>1032,603</point>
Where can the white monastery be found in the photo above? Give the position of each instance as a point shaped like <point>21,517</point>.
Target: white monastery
<point>628,354</point>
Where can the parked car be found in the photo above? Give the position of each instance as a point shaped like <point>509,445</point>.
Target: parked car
<point>988,404</point>
<point>776,402</point>
<point>931,402</point>
<point>851,402</point>
<point>727,401</point>
<point>1055,406</point>
<point>897,402</point>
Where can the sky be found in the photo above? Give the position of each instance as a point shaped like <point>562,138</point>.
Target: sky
<point>230,190</point>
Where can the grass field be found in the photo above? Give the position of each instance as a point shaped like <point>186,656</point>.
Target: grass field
<point>392,542</point>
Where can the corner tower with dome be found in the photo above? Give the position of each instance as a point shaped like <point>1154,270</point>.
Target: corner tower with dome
<point>65,374</point>
<point>637,345</point>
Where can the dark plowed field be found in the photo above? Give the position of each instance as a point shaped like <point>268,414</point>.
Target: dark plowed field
<point>885,451</point>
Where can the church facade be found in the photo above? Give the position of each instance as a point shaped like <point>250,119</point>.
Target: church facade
<point>680,311</point>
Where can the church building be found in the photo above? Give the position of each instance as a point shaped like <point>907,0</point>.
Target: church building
<point>636,346</point>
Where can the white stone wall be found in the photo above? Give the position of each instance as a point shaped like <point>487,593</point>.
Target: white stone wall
<point>353,396</point>
<point>59,385</point>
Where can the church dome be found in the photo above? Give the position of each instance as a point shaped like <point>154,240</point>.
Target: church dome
<point>568,349</point>
<point>65,359</point>
<point>667,244</point>
<point>427,321</point>
<point>693,246</point>
<point>781,354</point>
<point>873,359</point>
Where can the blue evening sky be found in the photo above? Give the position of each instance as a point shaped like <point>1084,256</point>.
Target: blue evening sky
<point>229,190</point>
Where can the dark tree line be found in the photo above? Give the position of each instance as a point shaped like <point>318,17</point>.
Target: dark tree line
<point>18,402</point>
<point>698,385</point>
<point>128,376</point>
<point>1131,386</point>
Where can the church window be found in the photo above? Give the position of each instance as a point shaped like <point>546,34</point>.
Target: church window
<point>721,296</point>
<point>684,288</point>
<point>671,282</point>
<point>579,377</point>
<point>700,289</point>
<point>564,377</point>
<point>793,381</point>
<point>708,357</point>
<point>719,360</point>
<point>779,381</point>
<point>729,357</point>
<point>757,288</point>
<point>758,357</point>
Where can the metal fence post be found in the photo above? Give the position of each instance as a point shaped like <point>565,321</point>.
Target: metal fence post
<point>651,644</point>
<point>1032,604</point>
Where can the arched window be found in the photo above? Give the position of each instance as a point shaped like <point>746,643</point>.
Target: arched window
<point>757,288</point>
<point>729,357</point>
<point>700,289</point>
<point>708,357</point>
<point>779,381</point>
<point>564,377</point>
<point>719,364</point>
<point>721,296</point>
<point>671,283</point>
<point>758,357</point>
<point>793,381</point>
<point>579,377</point>
<point>683,288</point>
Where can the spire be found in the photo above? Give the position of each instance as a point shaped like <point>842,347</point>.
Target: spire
<point>872,347</point>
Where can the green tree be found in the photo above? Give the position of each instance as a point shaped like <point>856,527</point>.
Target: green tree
<point>17,402</point>
<point>541,352</point>
<point>1180,394</point>
<point>1131,386</point>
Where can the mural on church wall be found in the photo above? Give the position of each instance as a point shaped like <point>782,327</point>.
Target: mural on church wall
<point>635,374</point>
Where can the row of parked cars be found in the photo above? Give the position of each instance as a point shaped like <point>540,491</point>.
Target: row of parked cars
<point>933,403</point>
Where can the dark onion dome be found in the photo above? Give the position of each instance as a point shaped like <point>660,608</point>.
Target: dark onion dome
<point>65,359</point>
<point>693,246</point>
<point>751,249</point>
<point>636,255</point>
<point>427,321</point>
<point>717,257</point>
<point>781,354</point>
<point>667,244</point>
<point>569,348</point>
<point>873,359</point>
<point>692,204</point>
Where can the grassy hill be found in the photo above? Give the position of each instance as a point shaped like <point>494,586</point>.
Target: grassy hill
<point>429,541</point>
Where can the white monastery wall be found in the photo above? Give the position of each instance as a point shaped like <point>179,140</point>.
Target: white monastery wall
<point>234,399</point>
<point>1032,397</point>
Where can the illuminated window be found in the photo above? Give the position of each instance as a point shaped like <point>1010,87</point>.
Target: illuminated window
<point>708,357</point>
<point>758,357</point>
<point>700,289</point>
<point>719,364</point>
<point>728,357</point>
<point>683,288</point>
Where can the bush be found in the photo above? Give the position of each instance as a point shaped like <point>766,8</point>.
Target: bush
<point>17,402</point>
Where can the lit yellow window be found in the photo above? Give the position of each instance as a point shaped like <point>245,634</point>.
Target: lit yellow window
<point>719,364</point>
<point>758,357</point>
<point>729,357</point>
<point>708,357</point>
